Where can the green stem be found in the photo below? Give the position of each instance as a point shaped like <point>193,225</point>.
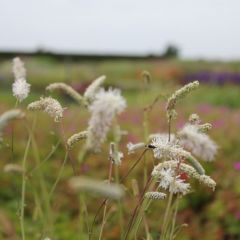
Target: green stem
<point>166,215</point>
<point>44,193</point>
<point>105,204</point>
<point>146,133</point>
<point>59,175</point>
<point>174,218</point>
<point>22,209</point>
<point>45,159</point>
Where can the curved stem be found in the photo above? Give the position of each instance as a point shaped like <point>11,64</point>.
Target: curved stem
<point>59,175</point>
<point>22,209</point>
<point>105,204</point>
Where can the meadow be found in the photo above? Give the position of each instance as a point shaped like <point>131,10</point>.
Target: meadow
<point>53,209</point>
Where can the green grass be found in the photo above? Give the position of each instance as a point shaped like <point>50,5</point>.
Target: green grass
<point>217,215</point>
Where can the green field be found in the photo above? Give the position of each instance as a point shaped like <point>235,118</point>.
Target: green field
<point>209,215</point>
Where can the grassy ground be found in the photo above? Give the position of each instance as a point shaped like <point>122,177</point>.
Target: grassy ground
<point>209,215</point>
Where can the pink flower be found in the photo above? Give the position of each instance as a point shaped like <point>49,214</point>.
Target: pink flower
<point>237,165</point>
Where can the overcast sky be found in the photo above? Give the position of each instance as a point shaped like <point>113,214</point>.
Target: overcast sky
<point>200,28</point>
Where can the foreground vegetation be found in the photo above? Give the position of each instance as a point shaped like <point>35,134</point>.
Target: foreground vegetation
<point>208,214</point>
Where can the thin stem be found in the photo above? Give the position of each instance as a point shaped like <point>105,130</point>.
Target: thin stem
<point>131,222</point>
<point>121,181</point>
<point>45,159</point>
<point>164,226</point>
<point>59,175</point>
<point>169,129</point>
<point>174,218</point>
<point>120,205</point>
<point>44,193</point>
<point>105,204</point>
<point>22,209</point>
<point>66,148</point>
<point>12,138</point>
<point>146,133</point>
<point>133,166</point>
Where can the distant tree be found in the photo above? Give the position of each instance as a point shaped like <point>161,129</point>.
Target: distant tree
<point>171,52</point>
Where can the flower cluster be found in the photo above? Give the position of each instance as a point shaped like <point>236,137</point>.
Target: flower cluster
<point>76,138</point>
<point>20,87</point>
<point>169,180</point>
<point>165,150</point>
<point>165,171</point>
<point>49,105</point>
<point>194,139</point>
<point>178,95</point>
<point>93,88</point>
<point>67,89</point>
<point>155,195</point>
<point>106,105</point>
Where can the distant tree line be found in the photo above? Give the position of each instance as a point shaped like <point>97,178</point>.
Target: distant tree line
<point>171,51</point>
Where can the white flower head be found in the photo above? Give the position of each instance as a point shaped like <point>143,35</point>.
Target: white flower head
<point>163,149</point>
<point>166,177</point>
<point>168,180</point>
<point>179,186</point>
<point>93,88</point>
<point>106,105</point>
<point>20,89</point>
<point>67,89</point>
<point>197,142</point>
<point>158,172</point>
<point>49,105</point>
<point>155,195</point>
<point>18,68</point>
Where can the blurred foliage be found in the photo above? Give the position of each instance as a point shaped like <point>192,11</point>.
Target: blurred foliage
<point>209,215</point>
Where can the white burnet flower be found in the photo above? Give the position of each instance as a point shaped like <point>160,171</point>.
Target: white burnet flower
<point>20,87</point>
<point>67,89</point>
<point>155,195</point>
<point>178,95</point>
<point>163,149</point>
<point>166,177</point>
<point>194,140</point>
<point>158,172</point>
<point>106,105</point>
<point>18,68</point>
<point>179,186</point>
<point>169,181</point>
<point>93,88</point>
<point>76,138</point>
<point>49,105</point>
<point>133,147</point>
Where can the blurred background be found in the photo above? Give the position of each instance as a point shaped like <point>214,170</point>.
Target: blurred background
<point>75,41</point>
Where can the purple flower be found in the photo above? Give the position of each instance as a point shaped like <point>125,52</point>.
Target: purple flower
<point>237,165</point>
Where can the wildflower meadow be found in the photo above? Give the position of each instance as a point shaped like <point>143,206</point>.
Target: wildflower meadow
<point>123,150</point>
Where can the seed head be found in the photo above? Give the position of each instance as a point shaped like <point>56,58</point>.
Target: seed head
<point>67,89</point>
<point>155,195</point>
<point>49,105</point>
